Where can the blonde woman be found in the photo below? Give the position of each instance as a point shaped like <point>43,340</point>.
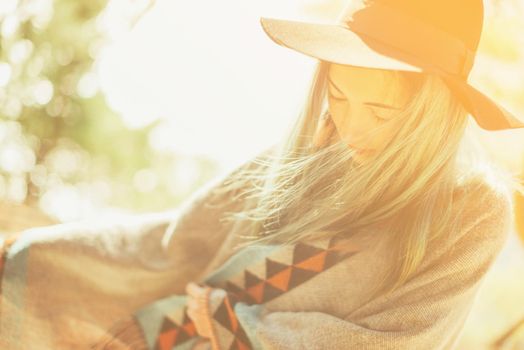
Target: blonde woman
<point>370,226</point>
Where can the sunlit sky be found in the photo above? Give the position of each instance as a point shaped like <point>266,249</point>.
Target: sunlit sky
<point>219,85</point>
<point>212,82</point>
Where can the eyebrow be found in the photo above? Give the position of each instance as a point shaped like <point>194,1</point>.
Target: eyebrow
<point>381,105</point>
<point>374,104</point>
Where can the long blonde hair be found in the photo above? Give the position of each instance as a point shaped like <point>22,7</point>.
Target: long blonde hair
<point>298,193</point>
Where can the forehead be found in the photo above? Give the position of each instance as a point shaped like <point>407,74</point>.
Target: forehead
<point>368,84</point>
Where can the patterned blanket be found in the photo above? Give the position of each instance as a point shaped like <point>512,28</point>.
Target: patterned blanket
<point>88,286</point>
<point>254,275</point>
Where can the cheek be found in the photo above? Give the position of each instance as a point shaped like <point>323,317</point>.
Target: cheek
<point>388,131</point>
<point>339,124</point>
<point>378,139</point>
<point>383,136</point>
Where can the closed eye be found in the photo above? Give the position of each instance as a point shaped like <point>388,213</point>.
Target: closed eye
<point>379,118</point>
<point>338,99</point>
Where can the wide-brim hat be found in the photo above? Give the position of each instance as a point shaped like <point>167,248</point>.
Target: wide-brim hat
<point>439,36</point>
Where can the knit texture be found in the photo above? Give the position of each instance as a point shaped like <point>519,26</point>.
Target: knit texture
<point>428,312</point>
<point>120,285</point>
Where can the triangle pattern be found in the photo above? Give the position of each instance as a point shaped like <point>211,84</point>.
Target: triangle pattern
<point>176,315</point>
<point>303,251</point>
<point>282,270</point>
<point>258,269</point>
<point>222,315</point>
<point>314,263</point>
<point>190,329</point>
<point>270,292</point>
<point>256,292</point>
<point>251,279</point>
<point>226,335</point>
<point>166,340</point>
<point>284,255</point>
<point>168,335</point>
<point>273,267</point>
<point>280,280</point>
<point>232,316</point>
<point>299,276</point>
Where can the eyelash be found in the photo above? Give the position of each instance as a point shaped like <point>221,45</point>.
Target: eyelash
<point>337,99</point>
<point>378,118</point>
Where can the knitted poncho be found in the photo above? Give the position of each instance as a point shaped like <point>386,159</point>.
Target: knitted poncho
<point>73,285</point>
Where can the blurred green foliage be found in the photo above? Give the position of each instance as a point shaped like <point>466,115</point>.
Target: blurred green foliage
<point>58,143</point>
<point>63,149</point>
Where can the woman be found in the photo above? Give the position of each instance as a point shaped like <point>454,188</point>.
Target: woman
<point>390,156</point>
<point>370,226</point>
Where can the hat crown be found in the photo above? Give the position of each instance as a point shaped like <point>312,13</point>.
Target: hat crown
<point>439,35</point>
<point>431,36</point>
<point>461,19</point>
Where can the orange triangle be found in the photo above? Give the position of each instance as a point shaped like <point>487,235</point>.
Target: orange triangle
<point>242,346</point>
<point>231,315</point>
<point>314,263</point>
<point>281,280</point>
<point>167,339</point>
<point>256,292</point>
<point>190,328</point>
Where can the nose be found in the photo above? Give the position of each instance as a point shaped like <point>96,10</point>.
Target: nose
<point>358,122</point>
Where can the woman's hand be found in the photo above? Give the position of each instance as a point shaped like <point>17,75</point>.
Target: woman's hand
<point>197,308</point>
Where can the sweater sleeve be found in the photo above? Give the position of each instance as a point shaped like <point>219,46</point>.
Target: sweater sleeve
<point>426,312</point>
<point>197,231</point>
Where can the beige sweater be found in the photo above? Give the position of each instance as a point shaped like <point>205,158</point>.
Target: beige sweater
<point>331,311</point>
<point>65,285</point>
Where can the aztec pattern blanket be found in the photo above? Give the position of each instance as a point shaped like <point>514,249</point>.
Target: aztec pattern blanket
<point>252,276</point>
<point>121,284</point>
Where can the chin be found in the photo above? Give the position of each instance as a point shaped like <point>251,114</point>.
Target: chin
<point>360,158</point>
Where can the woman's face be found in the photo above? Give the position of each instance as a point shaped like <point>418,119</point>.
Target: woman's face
<point>362,99</point>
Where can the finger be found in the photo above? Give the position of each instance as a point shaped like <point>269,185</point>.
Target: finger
<point>191,303</point>
<point>196,321</point>
<point>196,304</point>
<point>193,289</point>
<point>198,312</point>
<point>193,314</point>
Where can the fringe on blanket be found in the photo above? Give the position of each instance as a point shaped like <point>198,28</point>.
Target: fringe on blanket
<point>125,334</point>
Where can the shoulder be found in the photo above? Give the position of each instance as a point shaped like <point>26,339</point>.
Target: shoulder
<point>484,204</point>
<point>484,195</point>
<point>483,209</point>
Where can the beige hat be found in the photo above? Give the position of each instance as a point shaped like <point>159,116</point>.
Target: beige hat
<point>439,36</point>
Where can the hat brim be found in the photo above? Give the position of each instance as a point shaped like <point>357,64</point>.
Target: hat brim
<point>343,46</point>
<point>346,47</point>
<point>488,114</point>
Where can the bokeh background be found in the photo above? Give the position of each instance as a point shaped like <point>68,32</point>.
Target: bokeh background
<point>112,107</point>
